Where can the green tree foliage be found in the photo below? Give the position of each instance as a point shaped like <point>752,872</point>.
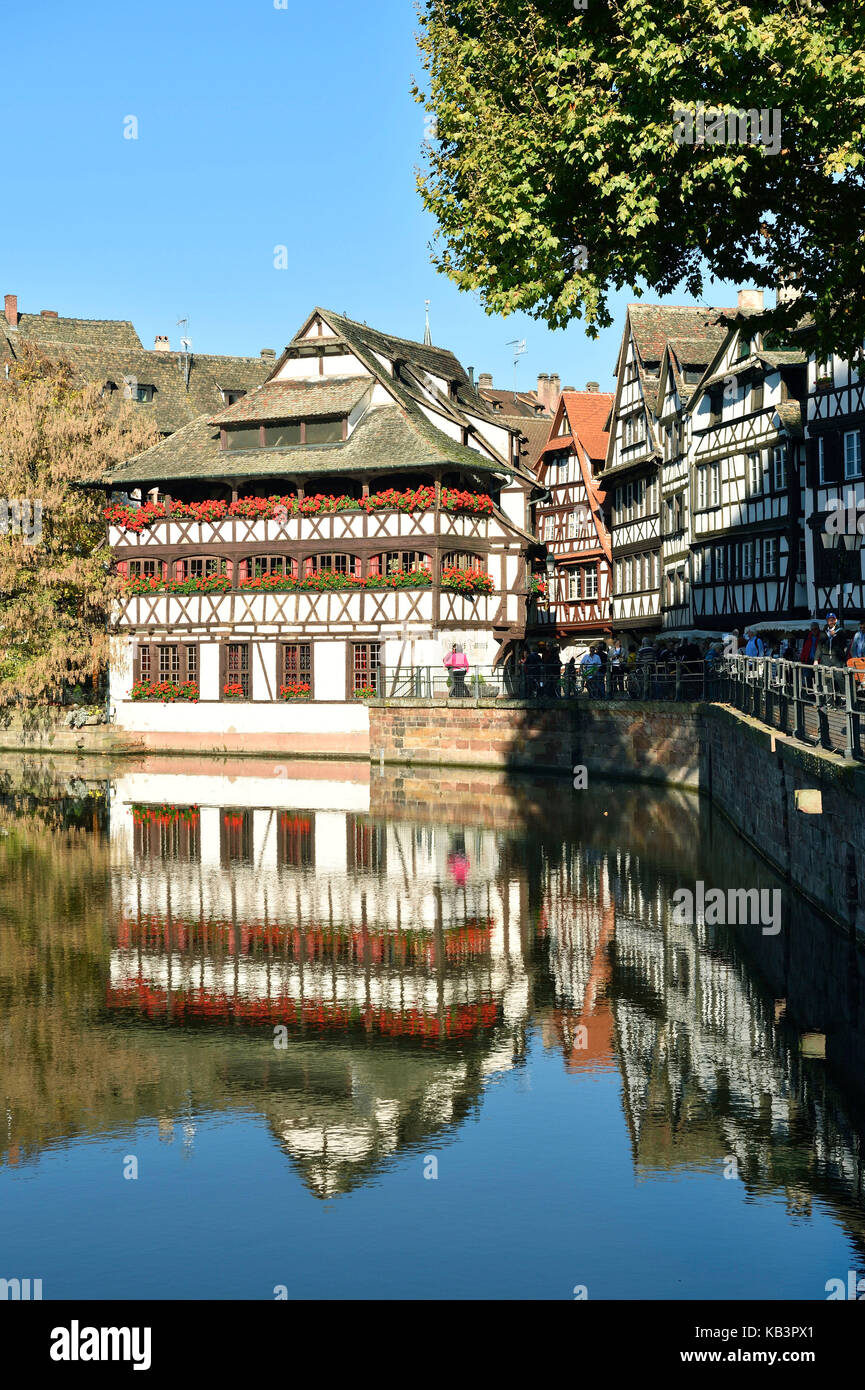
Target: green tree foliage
<point>56,578</point>
<point>555,130</point>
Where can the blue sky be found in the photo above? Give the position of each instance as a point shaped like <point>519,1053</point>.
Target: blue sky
<point>257,127</point>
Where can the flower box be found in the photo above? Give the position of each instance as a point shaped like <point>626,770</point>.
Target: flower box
<point>165,692</point>
<point>421,499</point>
<point>365,692</point>
<point>295,690</point>
<point>234,692</point>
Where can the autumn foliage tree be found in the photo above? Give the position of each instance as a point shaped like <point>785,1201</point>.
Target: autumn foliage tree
<point>56,577</point>
<point>557,175</point>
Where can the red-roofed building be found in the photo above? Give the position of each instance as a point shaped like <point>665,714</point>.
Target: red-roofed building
<point>570,521</point>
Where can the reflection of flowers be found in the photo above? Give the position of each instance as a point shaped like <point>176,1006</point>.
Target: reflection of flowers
<point>378,945</point>
<point>163,815</point>
<point>154,1001</point>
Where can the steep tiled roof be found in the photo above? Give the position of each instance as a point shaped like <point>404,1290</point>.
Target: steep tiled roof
<point>588,412</point>
<point>537,432</point>
<point>106,333</point>
<point>282,400</point>
<point>116,357</point>
<point>385,439</point>
<point>653,324</point>
<point>525,404</point>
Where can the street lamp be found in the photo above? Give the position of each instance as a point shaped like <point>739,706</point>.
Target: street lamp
<point>551,570</point>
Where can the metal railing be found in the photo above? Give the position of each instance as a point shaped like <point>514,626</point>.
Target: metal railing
<point>820,705</point>
<point>672,680</point>
<point>823,706</point>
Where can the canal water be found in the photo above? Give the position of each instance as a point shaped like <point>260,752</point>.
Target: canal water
<point>314,1030</point>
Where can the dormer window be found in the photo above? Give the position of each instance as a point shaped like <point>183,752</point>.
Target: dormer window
<point>325,431</point>
<point>276,436</point>
<point>144,394</point>
<point>230,397</point>
<point>243,438</point>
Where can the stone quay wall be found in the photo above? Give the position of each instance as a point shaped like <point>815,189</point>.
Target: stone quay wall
<point>803,809</point>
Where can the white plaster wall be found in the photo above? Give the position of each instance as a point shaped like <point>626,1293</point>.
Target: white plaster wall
<point>229,716</point>
<point>328,671</point>
<point>120,670</point>
<point>513,503</point>
<point>208,675</point>
<point>264,681</point>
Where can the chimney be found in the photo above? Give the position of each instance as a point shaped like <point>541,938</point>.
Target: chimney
<point>593,386</point>
<point>268,355</point>
<point>543,388</point>
<point>472,375</point>
<point>48,313</point>
<point>485,381</point>
<point>161,343</point>
<point>555,389</point>
<point>751,300</point>
<point>11,309</point>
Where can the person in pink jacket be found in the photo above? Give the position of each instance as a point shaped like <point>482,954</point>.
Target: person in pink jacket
<point>457,663</point>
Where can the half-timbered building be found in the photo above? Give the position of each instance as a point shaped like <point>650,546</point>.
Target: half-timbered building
<point>746,473</point>
<point>682,367</point>
<point>355,515</point>
<point>632,473</point>
<point>569,518</point>
<point>835,488</point>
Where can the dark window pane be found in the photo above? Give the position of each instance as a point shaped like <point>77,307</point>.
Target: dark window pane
<point>282,434</point>
<point>243,438</point>
<point>323,431</point>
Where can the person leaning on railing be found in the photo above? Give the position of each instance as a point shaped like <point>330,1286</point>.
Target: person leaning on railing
<point>457,663</point>
<point>832,650</point>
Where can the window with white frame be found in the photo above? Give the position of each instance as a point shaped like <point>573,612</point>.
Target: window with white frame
<point>702,488</point>
<point>572,525</point>
<point>770,557</point>
<point>779,467</point>
<point>821,459</point>
<point>707,565</point>
<point>747,559</point>
<point>720,563</point>
<point>715,485</point>
<point>852,454</point>
<point>755,474</point>
<point>574,584</point>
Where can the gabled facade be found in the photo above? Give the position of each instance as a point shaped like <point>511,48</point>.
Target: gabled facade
<point>835,426</point>
<point>632,476</point>
<point>644,409</point>
<point>569,521</point>
<point>354,516</point>
<point>747,462</point>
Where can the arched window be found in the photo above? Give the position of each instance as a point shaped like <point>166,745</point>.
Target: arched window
<point>142,569</point>
<point>341,564</point>
<point>200,567</point>
<point>464,560</point>
<point>256,566</point>
<point>392,561</point>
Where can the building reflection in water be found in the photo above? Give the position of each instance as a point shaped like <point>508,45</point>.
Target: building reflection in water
<point>410,934</point>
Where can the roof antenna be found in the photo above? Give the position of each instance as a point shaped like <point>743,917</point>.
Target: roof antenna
<point>427,340</point>
<point>186,350</point>
<point>519,347</point>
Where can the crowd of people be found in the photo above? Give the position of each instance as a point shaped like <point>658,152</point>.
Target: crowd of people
<point>605,666</point>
